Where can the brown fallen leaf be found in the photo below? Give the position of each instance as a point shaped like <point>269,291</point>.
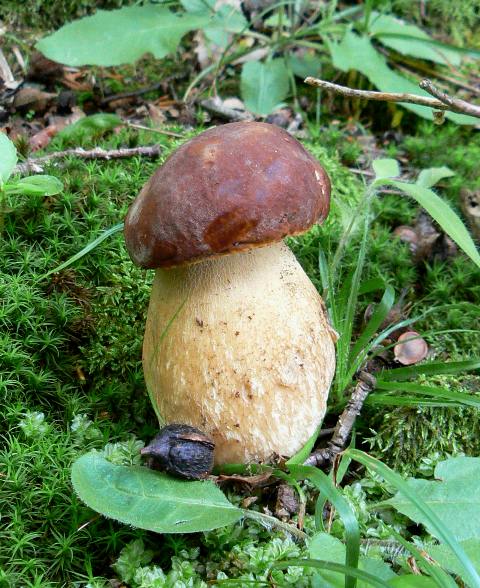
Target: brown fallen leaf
<point>42,69</point>
<point>470,201</point>
<point>287,503</point>
<point>426,242</point>
<point>32,98</point>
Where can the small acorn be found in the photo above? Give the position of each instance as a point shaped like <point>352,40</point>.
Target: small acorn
<point>182,451</point>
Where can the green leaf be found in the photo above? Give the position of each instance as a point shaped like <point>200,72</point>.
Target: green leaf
<point>352,531</point>
<point>454,497</point>
<point>447,560</point>
<point>413,500</point>
<point>431,176</point>
<point>96,124</point>
<point>119,36</point>
<point>222,21</point>
<point>8,158</point>
<point>356,52</point>
<point>431,369</point>
<point>264,86</point>
<point>386,168</point>
<point>408,39</point>
<point>151,500</point>
<point>441,212</point>
<point>35,186</point>
<point>323,543</point>
<point>308,64</point>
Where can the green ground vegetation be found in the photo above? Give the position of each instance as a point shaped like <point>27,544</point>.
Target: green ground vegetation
<point>71,377</point>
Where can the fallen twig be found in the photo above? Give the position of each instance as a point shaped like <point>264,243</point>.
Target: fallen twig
<point>366,383</point>
<point>154,130</point>
<point>217,107</point>
<point>441,101</point>
<point>132,94</point>
<point>453,104</point>
<point>34,164</point>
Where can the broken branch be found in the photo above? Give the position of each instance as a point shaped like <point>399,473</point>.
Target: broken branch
<point>441,101</point>
<point>34,164</point>
<point>366,383</point>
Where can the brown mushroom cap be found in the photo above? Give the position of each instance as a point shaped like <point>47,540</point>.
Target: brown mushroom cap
<point>230,188</point>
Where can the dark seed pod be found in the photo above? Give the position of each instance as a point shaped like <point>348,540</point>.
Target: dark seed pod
<point>182,451</point>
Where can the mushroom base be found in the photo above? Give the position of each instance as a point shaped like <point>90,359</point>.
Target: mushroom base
<point>240,347</point>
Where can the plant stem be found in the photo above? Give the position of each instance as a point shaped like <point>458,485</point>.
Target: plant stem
<point>270,521</point>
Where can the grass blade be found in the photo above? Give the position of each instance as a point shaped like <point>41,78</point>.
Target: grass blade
<point>352,530</point>
<point>430,369</point>
<point>86,249</point>
<point>358,353</point>
<point>348,571</point>
<point>441,530</point>
<point>433,391</point>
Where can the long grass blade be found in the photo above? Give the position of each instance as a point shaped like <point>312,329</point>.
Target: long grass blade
<point>108,233</point>
<point>441,530</point>
<point>433,391</point>
<point>331,566</point>
<point>430,369</point>
<point>441,577</point>
<point>352,530</point>
<point>357,355</point>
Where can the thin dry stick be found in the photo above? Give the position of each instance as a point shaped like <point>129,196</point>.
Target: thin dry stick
<point>154,130</point>
<point>366,383</point>
<point>441,101</point>
<point>454,104</point>
<point>34,164</point>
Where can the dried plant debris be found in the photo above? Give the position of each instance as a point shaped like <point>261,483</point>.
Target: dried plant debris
<point>470,201</point>
<point>426,242</point>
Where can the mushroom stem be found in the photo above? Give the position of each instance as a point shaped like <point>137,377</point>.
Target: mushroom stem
<point>249,358</point>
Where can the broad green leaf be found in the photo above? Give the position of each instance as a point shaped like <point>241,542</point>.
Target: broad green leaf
<point>307,64</point>
<point>447,560</point>
<point>119,36</point>
<point>386,168</point>
<point>35,186</point>
<point>431,176</point>
<point>454,496</point>
<point>441,212</point>
<point>8,158</point>
<point>95,124</point>
<point>356,52</point>
<point>222,20</point>
<point>324,545</point>
<point>408,39</point>
<point>431,369</point>
<point>426,510</point>
<point>333,495</point>
<point>151,500</point>
<point>264,86</point>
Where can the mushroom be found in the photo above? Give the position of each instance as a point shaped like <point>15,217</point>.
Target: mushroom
<point>237,341</point>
